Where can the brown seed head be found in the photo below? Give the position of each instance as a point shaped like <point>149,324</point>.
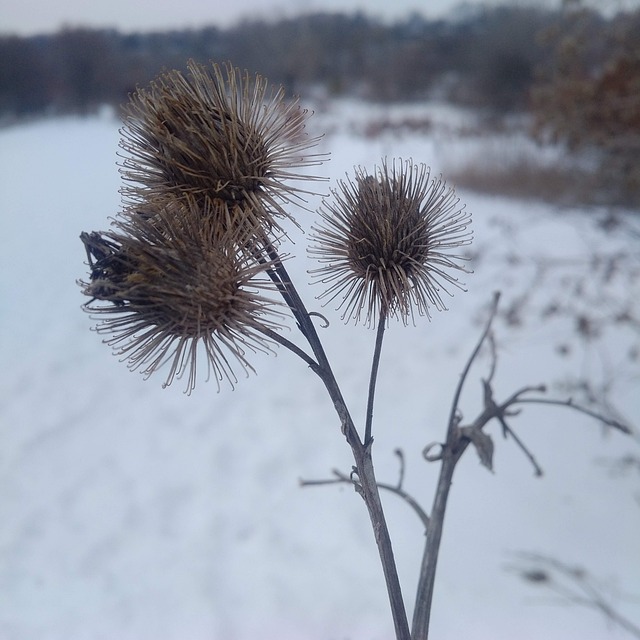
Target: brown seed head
<point>215,133</point>
<point>384,242</point>
<point>168,285</point>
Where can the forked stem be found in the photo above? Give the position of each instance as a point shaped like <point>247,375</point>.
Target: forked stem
<point>452,450</point>
<point>367,485</point>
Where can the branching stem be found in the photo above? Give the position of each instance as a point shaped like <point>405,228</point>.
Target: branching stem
<point>367,485</point>
<point>364,480</point>
<point>452,450</point>
<point>342,478</point>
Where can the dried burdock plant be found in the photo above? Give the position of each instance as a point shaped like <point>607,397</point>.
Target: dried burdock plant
<point>388,243</point>
<point>167,285</point>
<point>216,133</point>
<point>192,269</point>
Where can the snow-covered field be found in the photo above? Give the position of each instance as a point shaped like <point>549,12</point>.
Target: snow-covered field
<point>132,512</point>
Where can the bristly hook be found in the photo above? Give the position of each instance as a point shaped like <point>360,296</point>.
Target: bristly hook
<point>325,321</point>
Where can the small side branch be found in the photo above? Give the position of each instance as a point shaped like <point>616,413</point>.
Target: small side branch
<point>294,348</point>
<point>401,493</point>
<point>573,585</point>
<point>343,478</point>
<point>492,410</point>
<point>509,431</point>
<point>570,404</point>
<point>456,398</point>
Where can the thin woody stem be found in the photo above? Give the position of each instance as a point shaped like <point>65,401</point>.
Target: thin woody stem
<point>452,450</point>
<point>424,595</point>
<point>294,348</point>
<point>367,486</point>
<point>374,375</point>
<point>610,422</point>
<point>472,357</point>
<point>508,430</point>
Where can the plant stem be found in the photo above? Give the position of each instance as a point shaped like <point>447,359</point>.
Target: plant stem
<point>280,339</point>
<point>369,490</point>
<point>452,450</point>
<point>424,598</point>
<point>374,375</point>
<point>610,422</point>
<point>367,485</point>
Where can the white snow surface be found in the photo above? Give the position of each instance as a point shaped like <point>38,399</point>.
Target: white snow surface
<point>133,512</point>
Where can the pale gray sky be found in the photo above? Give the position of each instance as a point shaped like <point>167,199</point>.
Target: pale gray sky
<point>26,17</point>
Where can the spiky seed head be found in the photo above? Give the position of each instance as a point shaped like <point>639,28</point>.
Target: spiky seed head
<point>171,285</point>
<point>216,133</point>
<point>387,243</point>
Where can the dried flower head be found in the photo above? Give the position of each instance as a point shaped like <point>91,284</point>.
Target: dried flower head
<point>215,134</point>
<point>385,242</point>
<point>170,284</point>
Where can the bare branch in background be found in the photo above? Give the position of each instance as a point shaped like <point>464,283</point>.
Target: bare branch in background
<point>573,586</point>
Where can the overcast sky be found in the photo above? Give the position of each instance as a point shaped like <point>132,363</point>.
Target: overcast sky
<point>26,17</point>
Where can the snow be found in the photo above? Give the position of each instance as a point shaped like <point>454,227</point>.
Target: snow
<point>134,512</point>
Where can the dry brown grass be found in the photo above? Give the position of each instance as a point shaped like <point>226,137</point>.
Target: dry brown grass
<point>524,179</point>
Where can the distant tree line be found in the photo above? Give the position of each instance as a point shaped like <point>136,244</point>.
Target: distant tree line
<point>487,59</point>
<point>576,71</point>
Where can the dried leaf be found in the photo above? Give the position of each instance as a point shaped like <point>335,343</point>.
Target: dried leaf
<point>483,444</point>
